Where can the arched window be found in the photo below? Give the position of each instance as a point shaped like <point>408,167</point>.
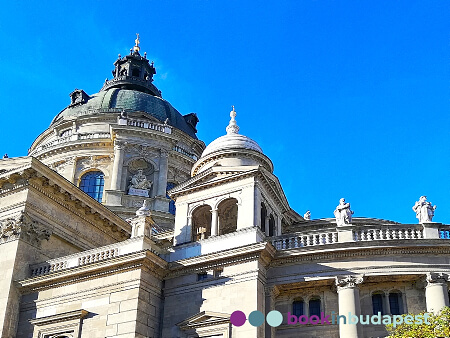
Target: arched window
<point>263,217</point>
<point>271,226</point>
<point>298,307</point>
<point>395,303</point>
<point>92,184</point>
<point>227,216</point>
<point>172,209</point>
<point>314,306</point>
<point>201,223</point>
<point>377,303</point>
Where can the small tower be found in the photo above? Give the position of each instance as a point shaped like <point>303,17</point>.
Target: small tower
<point>133,71</point>
<point>232,195</point>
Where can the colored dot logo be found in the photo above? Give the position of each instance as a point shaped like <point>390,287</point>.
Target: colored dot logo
<point>256,318</point>
<point>238,318</point>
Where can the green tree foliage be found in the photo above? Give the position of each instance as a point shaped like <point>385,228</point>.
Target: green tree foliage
<point>438,327</point>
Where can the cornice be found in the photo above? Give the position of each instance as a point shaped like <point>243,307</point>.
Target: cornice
<point>191,185</point>
<point>334,252</point>
<point>263,252</point>
<point>227,153</point>
<point>57,188</point>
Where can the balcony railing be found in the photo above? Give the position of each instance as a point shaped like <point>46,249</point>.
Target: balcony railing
<point>330,234</point>
<point>413,232</point>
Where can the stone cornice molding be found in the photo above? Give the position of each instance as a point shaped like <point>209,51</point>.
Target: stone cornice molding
<point>145,133</point>
<point>71,147</point>
<point>31,171</point>
<point>196,184</point>
<point>348,282</point>
<point>228,153</point>
<point>77,314</point>
<point>358,249</point>
<point>260,251</point>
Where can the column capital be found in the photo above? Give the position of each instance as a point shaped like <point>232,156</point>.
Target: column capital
<point>350,281</point>
<point>119,145</point>
<point>272,291</point>
<point>433,278</point>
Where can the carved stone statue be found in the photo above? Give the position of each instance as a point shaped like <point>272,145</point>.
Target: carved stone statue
<point>343,213</point>
<point>140,181</point>
<point>144,210</point>
<point>424,210</point>
<point>307,215</point>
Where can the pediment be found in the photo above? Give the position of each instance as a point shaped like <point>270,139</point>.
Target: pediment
<point>212,176</point>
<point>204,318</point>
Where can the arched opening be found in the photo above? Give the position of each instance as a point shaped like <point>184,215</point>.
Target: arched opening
<point>395,303</point>
<point>377,302</point>
<point>271,225</point>
<point>227,213</point>
<point>92,183</point>
<point>314,306</point>
<point>201,223</point>
<point>263,217</point>
<point>298,307</point>
<point>136,72</point>
<point>171,185</point>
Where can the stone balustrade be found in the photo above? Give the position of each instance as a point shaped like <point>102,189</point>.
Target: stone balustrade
<point>411,232</point>
<point>131,245</point>
<point>331,234</point>
<point>300,240</point>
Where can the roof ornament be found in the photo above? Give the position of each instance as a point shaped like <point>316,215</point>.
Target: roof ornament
<point>232,127</point>
<point>136,47</point>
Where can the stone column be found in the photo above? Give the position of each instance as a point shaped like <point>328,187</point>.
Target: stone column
<point>162,174</point>
<point>349,305</point>
<point>116,177</point>
<point>214,222</point>
<point>267,223</point>
<point>272,293</point>
<point>436,292</point>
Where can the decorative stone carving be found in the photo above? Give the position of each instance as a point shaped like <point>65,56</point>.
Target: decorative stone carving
<point>141,224</point>
<point>424,210</point>
<point>434,277</point>
<point>23,227</point>
<point>93,162</point>
<point>343,213</point>
<point>307,215</point>
<point>139,185</point>
<point>345,282</point>
<point>144,210</point>
<point>141,150</point>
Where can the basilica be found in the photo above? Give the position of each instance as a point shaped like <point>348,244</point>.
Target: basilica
<point>121,223</point>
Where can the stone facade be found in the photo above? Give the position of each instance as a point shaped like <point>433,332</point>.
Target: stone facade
<point>84,255</point>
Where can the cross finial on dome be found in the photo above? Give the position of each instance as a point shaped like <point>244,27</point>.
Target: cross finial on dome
<point>232,127</point>
<point>136,47</point>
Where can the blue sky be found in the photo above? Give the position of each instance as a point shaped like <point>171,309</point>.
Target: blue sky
<point>348,98</point>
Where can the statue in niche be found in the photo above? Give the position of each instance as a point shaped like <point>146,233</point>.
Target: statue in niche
<point>343,213</point>
<point>424,210</point>
<point>140,181</point>
<point>307,215</point>
<point>139,185</point>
